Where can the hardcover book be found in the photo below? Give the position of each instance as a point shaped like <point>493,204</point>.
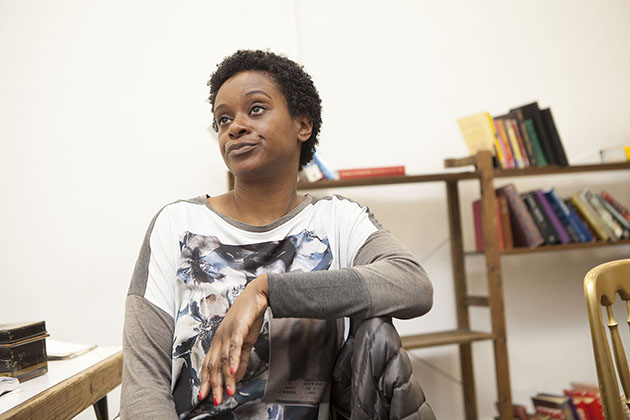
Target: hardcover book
<point>554,137</point>
<point>23,350</point>
<point>616,204</point>
<point>584,209</point>
<point>518,115</point>
<point>371,172</point>
<point>605,217</point>
<point>564,214</point>
<point>524,230</point>
<point>531,111</point>
<point>533,137</point>
<point>540,218</point>
<point>478,224</point>
<point>561,403</point>
<point>563,235</point>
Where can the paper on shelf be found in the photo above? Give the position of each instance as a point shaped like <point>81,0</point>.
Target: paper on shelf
<point>61,350</point>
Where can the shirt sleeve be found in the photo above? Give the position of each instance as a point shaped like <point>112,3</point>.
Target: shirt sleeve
<point>385,279</point>
<point>148,328</point>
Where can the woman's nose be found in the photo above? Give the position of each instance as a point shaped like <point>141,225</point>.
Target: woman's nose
<point>238,128</point>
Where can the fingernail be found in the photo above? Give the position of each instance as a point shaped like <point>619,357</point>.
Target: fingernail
<point>232,370</point>
<point>215,401</point>
<point>229,391</point>
<point>200,396</point>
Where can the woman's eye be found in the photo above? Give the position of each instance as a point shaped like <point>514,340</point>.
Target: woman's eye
<point>256,109</point>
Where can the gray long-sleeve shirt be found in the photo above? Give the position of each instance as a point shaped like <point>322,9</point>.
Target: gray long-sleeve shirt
<point>326,259</point>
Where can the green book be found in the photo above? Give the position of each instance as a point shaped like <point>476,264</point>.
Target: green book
<point>533,138</point>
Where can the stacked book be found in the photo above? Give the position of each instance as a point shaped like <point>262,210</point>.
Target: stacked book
<point>580,402</point>
<point>318,170</point>
<point>525,137</point>
<point>536,218</point>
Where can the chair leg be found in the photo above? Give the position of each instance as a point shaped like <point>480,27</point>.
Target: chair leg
<point>100,408</point>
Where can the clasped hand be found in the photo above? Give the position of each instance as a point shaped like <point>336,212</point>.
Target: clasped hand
<point>230,348</point>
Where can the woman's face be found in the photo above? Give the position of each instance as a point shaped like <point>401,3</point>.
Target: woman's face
<point>257,135</point>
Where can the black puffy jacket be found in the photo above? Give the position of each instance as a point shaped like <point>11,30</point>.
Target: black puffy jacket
<point>373,377</point>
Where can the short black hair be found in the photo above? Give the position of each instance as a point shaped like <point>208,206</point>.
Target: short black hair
<point>295,84</point>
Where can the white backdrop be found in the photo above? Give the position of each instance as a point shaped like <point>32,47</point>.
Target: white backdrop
<point>104,119</point>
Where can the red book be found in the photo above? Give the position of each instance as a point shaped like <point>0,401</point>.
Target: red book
<point>371,172</point>
<point>617,205</point>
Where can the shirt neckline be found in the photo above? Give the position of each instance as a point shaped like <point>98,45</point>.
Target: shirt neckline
<point>308,199</point>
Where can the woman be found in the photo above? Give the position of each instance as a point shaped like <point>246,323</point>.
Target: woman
<point>236,305</point>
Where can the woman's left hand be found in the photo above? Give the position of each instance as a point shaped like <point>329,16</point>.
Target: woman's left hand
<point>235,337</point>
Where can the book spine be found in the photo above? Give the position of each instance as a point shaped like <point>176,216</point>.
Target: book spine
<point>371,172</point>
<point>551,215</point>
<point>326,171</point>
<point>554,137</point>
<point>584,209</point>
<point>617,205</point>
<point>616,215</point>
<point>524,230</point>
<point>564,214</point>
<point>605,217</point>
<point>533,137</point>
<point>516,150</point>
<point>501,134</point>
<point>543,224</point>
<point>506,224</point>
<point>532,111</point>
<point>522,131</point>
<point>519,139</point>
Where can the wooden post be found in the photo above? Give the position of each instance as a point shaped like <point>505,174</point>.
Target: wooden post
<point>459,278</point>
<point>495,285</point>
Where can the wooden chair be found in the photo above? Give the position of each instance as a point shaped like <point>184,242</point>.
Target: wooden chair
<point>601,284</point>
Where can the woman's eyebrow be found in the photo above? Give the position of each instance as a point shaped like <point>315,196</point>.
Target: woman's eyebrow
<point>253,92</point>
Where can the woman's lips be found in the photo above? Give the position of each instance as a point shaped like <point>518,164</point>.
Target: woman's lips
<point>240,148</point>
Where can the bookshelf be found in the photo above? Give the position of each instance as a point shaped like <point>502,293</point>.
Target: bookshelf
<point>463,335</point>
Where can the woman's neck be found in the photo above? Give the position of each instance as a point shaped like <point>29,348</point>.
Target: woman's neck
<point>258,204</point>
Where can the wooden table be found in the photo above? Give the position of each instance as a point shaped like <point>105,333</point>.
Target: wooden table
<point>69,387</point>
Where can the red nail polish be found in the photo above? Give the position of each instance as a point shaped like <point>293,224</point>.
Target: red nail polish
<point>215,401</point>
<point>229,391</point>
<point>232,370</point>
<point>200,397</point>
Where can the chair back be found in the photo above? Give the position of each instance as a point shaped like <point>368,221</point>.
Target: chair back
<point>601,285</point>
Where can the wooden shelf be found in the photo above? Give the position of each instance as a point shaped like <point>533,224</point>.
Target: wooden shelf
<point>386,180</point>
<point>456,176</point>
<point>551,248</point>
<point>556,170</point>
<point>443,338</point>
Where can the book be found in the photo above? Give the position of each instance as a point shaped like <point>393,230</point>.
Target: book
<point>533,137</point>
<point>616,204</point>
<point>625,225</point>
<point>506,223</point>
<point>524,230</point>
<point>604,216</point>
<point>556,403</point>
<point>323,167</point>
<point>563,235</point>
<point>505,143</point>
<point>371,172</point>
<point>531,111</point>
<point>590,396</point>
<point>478,132</point>
<point>312,173</point>
<point>478,224</point>
<point>583,222</point>
<point>554,137</point>
<point>521,143</point>
<point>540,218</point>
<point>564,215</point>
<point>507,131</point>
<point>62,350</point>
<point>584,209</point>
<point>518,115</point>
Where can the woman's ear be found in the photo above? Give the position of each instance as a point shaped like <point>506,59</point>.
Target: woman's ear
<point>305,127</point>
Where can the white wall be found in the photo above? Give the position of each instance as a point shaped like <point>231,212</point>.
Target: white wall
<point>103,119</point>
